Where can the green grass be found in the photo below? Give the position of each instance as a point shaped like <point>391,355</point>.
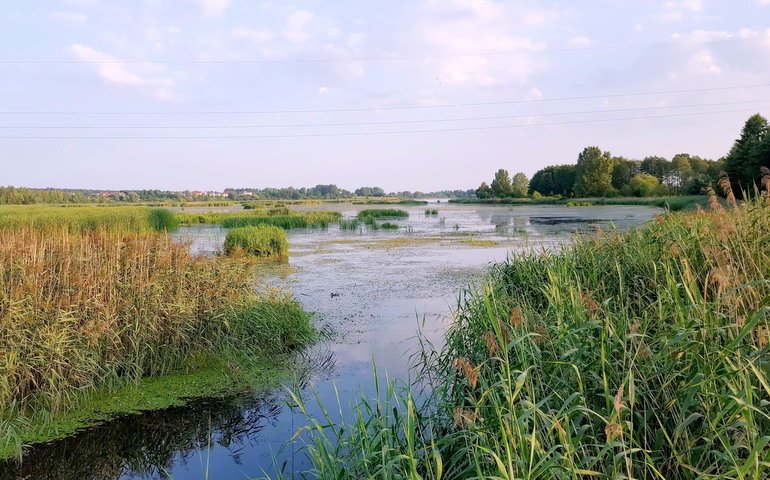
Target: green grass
<point>88,218</point>
<point>388,226</point>
<point>295,220</point>
<point>259,241</point>
<point>350,224</point>
<point>638,355</point>
<point>431,211</point>
<point>370,216</point>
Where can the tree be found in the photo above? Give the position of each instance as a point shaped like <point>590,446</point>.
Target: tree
<point>594,173</point>
<point>744,160</point>
<point>681,170</point>
<point>501,185</point>
<point>642,185</point>
<point>483,191</point>
<point>623,171</point>
<point>519,185</point>
<point>554,180</point>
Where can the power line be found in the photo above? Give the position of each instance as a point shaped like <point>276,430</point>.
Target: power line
<point>347,134</point>
<point>409,107</point>
<point>394,122</point>
<point>375,58</point>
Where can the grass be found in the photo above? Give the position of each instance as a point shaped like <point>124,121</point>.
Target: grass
<point>82,313</point>
<point>370,216</point>
<point>88,218</point>
<point>388,226</point>
<point>294,220</point>
<point>431,211</point>
<point>260,241</point>
<point>638,355</point>
<point>350,224</point>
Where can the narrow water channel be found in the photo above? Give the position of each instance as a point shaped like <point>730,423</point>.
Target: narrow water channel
<point>371,289</point>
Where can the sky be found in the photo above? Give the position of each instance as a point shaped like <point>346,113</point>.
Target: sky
<point>407,95</point>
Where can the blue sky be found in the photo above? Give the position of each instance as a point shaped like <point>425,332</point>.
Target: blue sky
<point>272,76</point>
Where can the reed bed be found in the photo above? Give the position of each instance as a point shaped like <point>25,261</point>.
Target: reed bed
<point>88,218</point>
<point>279,217</point>
<point>637,355</point>
<point>79,312</point>
<point>264,241</point>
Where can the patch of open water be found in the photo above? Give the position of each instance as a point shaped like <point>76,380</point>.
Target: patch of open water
<point>372,288</point>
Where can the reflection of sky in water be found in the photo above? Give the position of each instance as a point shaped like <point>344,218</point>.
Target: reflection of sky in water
<point>383,294</point>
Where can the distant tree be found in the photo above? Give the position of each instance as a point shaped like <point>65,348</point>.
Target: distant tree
<point>681,170</point>
<point>642,185</point>
<point>623,171</point>
<point>743,162</point>
<point>501,185</point>
<point>696,184</point>
<point>594,173</point>
<point>519,185</point>
<point>370,192</point>
<point>554,180</point>
<point>484,191</point>
<point>658,167</point>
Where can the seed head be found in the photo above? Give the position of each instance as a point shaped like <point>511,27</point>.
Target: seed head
<point>493,348</point>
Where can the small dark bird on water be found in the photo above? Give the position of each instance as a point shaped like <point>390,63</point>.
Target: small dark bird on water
<point>335,294</point>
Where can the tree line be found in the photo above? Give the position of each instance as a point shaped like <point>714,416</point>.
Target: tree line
<point>597,173</point>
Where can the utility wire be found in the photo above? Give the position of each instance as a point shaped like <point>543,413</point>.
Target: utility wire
<point>347,134</point>
<point>394,122</point>
<point>409,107</point>
<point>375,58</point>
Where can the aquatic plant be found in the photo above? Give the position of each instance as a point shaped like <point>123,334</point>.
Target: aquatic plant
<point>350,224</point>
<point>88,218</point>
<point>389,226</point>
<point>431,211</point>
<point>259,241</point>
<point>370,216</point>
<point>83,312</point>
<point>637,355</point>
<point>295,220</point>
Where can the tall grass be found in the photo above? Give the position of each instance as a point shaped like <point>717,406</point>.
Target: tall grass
<point>638,355</point>
<point>260,241</point>
<point>88,218</point>
<point>83,311</point>
<point>295,220</point>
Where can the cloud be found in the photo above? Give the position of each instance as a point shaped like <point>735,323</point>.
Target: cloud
<point>296,30</point>
<point>213,8</point>
<point>453,28</point>
<point>676,10</point>
<point>257,36</point>
<point>323,90</point>
<point>112,72</point>
<point>580,41</point>
<point>704,62</point>
<point>702,36</point>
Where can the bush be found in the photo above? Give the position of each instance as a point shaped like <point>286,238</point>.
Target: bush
<point>259,241</point>
<point>642,185</point>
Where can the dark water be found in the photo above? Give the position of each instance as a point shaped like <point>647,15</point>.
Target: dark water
<point>372,289</point>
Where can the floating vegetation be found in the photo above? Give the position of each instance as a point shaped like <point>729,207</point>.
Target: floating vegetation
<point>431,211</point>
<point>370,216</point>
<point>264,241</point>
<point>350,224</point>
<point>294,220</point>
<point>389,226</point>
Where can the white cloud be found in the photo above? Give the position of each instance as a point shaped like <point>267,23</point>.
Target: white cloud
<point>323,90</point>
<point>296,30</point>
<point>454,28</point>
<point>676,10</point>
<point>704,62</point>
<point>213,8</point>
<point>112,72</point>
<point>258,36</point>
<point>580,41</point>
<point>702,36</point>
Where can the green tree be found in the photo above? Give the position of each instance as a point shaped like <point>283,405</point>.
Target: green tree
<point>519,185</point>
<point>594,173</point>
<point>745,158</point>
<point>681,170</point>
<point>483,191</point>
<point>623,171</point>
<point>642,185</point>
<point>501,185</point>
<point>554,180</point>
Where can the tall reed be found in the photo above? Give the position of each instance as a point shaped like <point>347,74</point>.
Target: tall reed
<point>88,218</point>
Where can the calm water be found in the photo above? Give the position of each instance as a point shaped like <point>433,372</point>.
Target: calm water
<point>371,289</point>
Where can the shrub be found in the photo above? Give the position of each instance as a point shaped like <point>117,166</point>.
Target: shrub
<point>260,241</point>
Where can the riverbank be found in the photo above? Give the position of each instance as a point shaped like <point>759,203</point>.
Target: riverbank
<point>673,203</point>
<point>97,324</point>
<point>642,355</point>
